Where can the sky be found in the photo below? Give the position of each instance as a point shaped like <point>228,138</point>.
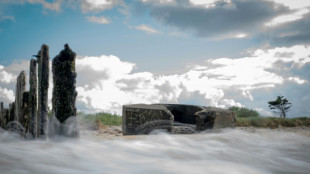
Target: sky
<point>218,53</point>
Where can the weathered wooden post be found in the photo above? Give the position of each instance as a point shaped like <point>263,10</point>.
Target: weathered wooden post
<point>1,116</point>
<point>43,75</point>
<point>25,111</point>
<point>33,98</point>
<point>19,90</point>
<point>64,93</point>
<point>4,116</point>
<point>11,111</point>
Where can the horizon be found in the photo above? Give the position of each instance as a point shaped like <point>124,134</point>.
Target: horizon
<point>218,53</point>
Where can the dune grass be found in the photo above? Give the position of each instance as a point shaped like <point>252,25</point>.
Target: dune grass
<point>272,122</point>
<point>107,119</point>
<point>102,118</point>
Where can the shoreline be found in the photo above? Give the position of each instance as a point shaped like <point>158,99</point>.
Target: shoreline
<point>116,131</point>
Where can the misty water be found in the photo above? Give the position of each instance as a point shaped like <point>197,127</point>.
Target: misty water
<point>226,151</point>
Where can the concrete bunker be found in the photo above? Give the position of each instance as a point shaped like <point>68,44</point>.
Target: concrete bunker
<point>174,118</point>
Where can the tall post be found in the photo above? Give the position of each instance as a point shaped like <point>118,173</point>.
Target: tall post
<point>19,90</point>
<point>64,92</point>
<point>11,111</point>
<point>2,121</point>
<point>33,98</point>
<point>43,75</point>
<point>25,118</point>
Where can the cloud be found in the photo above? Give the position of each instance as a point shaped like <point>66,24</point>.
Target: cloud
<point>222,18</point>
<point>287,18</point>
<point>6,95</point>
<point>106,83</point>
<point>274,22</point>
<point>291,33</point>
<point>5,77</point>
<point>296,4</point>
<point>7,18</point>
<point>98,5</point>
<point>54,6</point>
<point>146,28</point>
<point>8,75</point>
<point>98,20</point>
<point>220,82</point>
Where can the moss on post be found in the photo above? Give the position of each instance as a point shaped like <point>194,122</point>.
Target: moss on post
<point>2,118</point>
<point>11,112</point>
<point>43,84</point>
<point>33,98</point>
<point>25,111</point>
<point>64,93</point>
<point>19,90</point>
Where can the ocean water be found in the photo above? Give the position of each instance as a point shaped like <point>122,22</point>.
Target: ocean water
<point>227,151</point>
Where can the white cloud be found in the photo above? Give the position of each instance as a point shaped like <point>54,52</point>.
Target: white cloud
<point>287,18</point>
<point>6,95</point>
<point>6,77</point>
<point>105,83</point>
<point>207,3</point>
<point>98,20</point>
<point>54,6</point>
<point>10,18</point>
<point>160,1</point>
<point>111,82</point>
<point>297,80</point>
<point>98,5</point>
<point>241,35</point>
<point>146,28</point>
<point>295,4</point>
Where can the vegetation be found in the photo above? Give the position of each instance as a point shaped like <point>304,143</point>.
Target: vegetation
<point>244,112</point>
<point>101,118</point>
<point>248,117</point>
<point>245,117</point>
<point>272,122</point>
<point>280,106</point>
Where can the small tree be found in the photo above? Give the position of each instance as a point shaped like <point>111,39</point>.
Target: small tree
<point>281,104</point>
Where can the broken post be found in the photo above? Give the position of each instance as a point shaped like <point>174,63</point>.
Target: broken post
<point>4,116</point>
<point>19,90</point>
<point>43,75</point>
<point>2,119</point>
<point>25,111</point>
<point>33,98</point>
<point>64,93</point>
<point>11,112</point>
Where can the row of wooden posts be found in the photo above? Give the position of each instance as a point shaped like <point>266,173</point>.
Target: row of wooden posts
<point>28,114</point>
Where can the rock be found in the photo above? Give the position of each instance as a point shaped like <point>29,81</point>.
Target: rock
<point>141,118</point>
<point>212,117</point>
<point>174,118</point>
<point>183,113</point>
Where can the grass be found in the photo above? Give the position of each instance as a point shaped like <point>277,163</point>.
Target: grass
<point>244,112</point>
<point>101,119</point>
<point>106,119</point>
<point>273,122</point>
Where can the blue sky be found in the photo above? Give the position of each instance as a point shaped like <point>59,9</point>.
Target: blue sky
<point>207,52</point>
<point>31,25</point>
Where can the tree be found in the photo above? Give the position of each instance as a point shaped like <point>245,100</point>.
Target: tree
<point>281,105</point>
